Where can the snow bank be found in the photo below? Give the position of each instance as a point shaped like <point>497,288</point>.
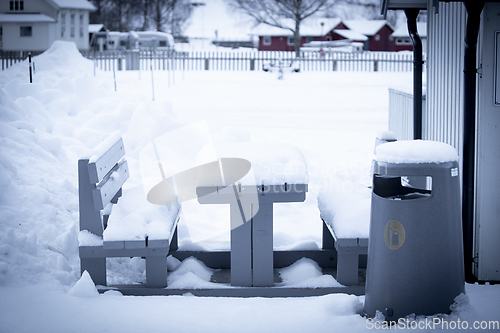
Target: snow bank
<point>416,151</point>
<point>45,127</point>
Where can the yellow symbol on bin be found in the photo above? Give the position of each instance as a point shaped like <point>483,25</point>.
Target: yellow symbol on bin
<point>394,234</point>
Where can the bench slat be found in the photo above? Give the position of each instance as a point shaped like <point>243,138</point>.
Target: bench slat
<point>100,168</point>
<point>107,189</point>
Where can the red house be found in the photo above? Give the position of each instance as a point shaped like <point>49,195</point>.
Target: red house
<point>402,40</point>
<point>379,33</point>
<point>376,35</point>
<point>279,39</point>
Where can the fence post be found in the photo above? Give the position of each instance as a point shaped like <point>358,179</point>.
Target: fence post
<point>334,65</point>
<point>207,64</point>
<point>375,65</point>
<point>31,74</point>
<point>252,64</point>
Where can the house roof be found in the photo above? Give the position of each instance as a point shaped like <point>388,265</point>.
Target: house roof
<point>402,30</point>
<point>93,28</point>
<point>366,27</point>
<point>309,27</point>
<point>349,34</point>
<point>25,18</point>
<point>73,4</point>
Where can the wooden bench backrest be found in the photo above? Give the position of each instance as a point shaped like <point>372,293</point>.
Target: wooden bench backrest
<point>99,183</point>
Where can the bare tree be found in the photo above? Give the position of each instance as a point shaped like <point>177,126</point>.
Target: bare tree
<point>144,8</point>
<point>170,14</point>
<point>366,9</point>
<point>273,13</point>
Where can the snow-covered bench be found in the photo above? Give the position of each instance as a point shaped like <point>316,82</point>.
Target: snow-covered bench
<point>136,228</point>
<point>346,223</point>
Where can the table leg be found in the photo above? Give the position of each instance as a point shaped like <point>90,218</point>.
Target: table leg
<point>241,246</point>
<point>262,227</point>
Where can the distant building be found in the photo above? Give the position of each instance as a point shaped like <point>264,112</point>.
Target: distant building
<point>402,40</point>
<point>35,24</point>
<point>279,39</point>
<point>379,33</point>
<point>375,35</point>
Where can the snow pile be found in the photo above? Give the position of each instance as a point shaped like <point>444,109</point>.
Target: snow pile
<point>191,274</point>
<point>416,151</point>
<point>84,287</point>
<point>306,273</point>
<point>45,127</point>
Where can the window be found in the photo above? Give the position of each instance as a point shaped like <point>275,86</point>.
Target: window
<point>26,31</point>
<point>290,41</point>
<point>377,37</point>
<point>16,5</point>
<point>63,24</point>
<point>403,41</point>
<point>266,40</point>
<point>163,43</point>
<point>72,28</point>
<point>81,25</point>
<point>309,39</point>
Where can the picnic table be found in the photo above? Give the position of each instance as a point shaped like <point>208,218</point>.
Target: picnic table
<point>278,175</point>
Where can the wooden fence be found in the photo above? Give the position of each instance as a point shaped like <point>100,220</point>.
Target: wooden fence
<point>244,61</point>
<point>10,58</point>
<point>237,61</point>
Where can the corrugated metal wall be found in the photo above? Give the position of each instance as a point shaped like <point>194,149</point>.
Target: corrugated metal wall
<point>444,113</point>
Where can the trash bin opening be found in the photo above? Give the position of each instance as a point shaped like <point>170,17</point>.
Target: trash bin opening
<point>403,187</point>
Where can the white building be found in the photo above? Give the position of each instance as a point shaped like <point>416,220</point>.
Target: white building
<point>35,24</point>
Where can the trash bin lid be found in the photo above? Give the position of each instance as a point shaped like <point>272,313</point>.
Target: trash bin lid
<point>415,152</point>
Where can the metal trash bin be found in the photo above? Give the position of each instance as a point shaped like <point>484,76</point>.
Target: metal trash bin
<point>415,255</point>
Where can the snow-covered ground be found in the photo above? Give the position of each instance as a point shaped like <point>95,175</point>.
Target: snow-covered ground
<point>331,117</point>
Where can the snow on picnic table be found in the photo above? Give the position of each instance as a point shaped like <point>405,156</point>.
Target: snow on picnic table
<point>45,127</point>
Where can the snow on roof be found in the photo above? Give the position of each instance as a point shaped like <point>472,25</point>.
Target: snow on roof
<point>19,18</point>
<point>93,28</point>
<point>349,34</point>
<point>366,27</point>
<point>416,151</point>
<point>310,27</point>
<point>402,30</point>
<point>74,4</point>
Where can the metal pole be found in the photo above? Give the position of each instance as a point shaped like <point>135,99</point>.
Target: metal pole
<point>474,9</point>
<point>411,15</point>
<point>152,78</point>
<point>114,74</point>
<point>31,74</point>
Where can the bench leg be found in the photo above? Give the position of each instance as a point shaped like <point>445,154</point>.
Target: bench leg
<point>96,267</point>
<point>347,268</point>
<point>156,272</point>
